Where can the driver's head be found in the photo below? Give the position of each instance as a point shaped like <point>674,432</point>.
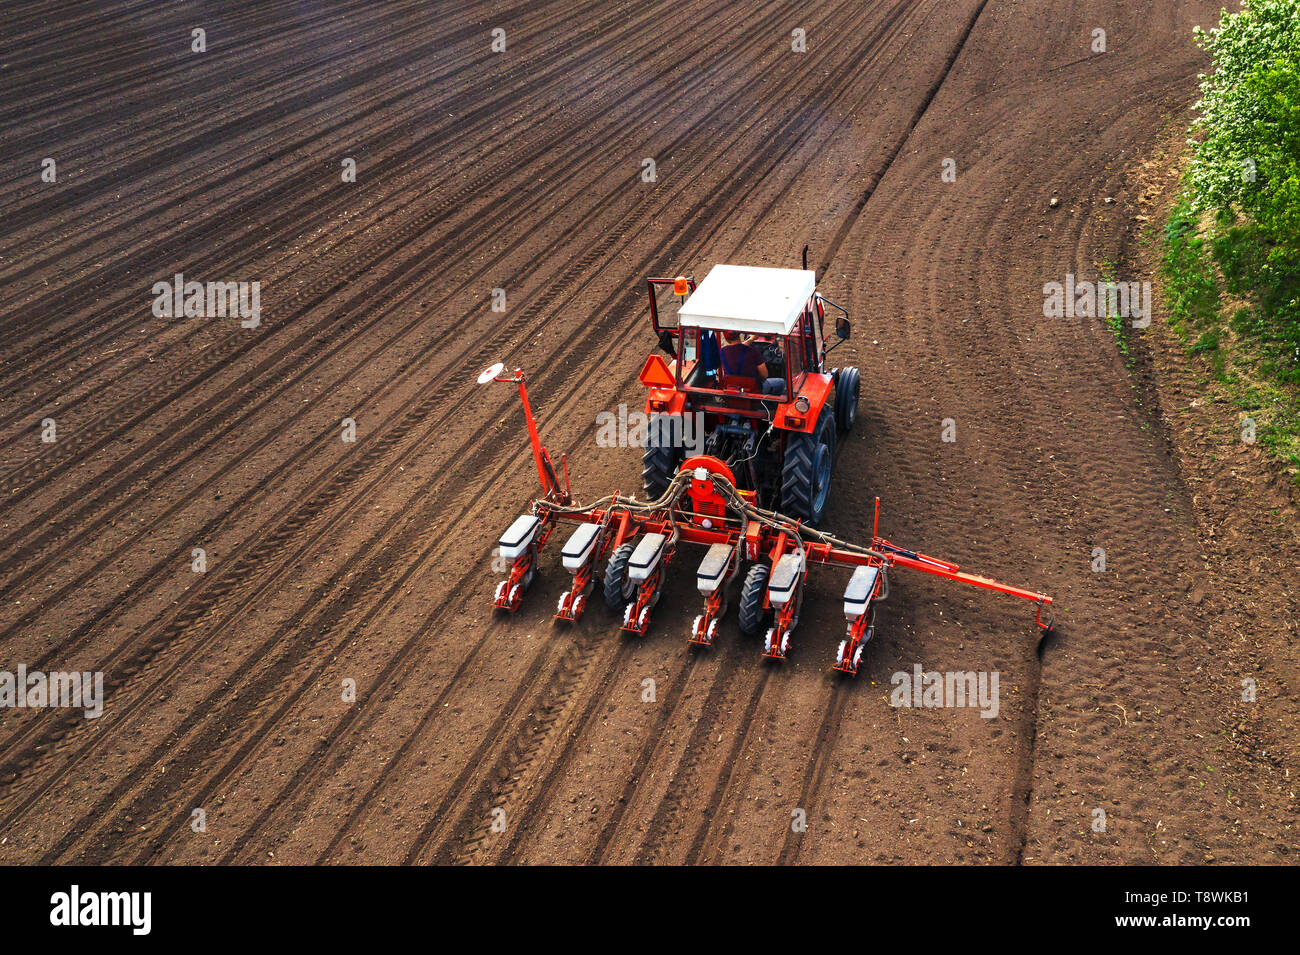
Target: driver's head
<point>731,337</point>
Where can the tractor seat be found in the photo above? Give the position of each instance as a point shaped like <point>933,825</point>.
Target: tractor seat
<point>740,382</point>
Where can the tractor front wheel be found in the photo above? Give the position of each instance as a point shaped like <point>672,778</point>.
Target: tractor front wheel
<point>806,472</point>
<point>753,618</point>
<point>847,387</point>
<point>619,590</point>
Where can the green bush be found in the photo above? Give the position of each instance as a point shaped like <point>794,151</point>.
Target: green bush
<point>1231,263</point>
<point>1245,169</point>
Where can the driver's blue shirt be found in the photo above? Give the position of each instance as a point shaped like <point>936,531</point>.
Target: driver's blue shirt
<point>740,360</point>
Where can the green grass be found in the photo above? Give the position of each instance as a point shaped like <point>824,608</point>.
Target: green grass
<point>1116,322</point>
<point>1218,307</point>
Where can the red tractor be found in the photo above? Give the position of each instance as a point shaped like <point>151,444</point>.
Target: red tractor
<point>748,361</point>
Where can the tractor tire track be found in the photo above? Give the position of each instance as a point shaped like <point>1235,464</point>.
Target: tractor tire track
<point>526,753</point>
<point>616,310</point>
<point>730,784</point>
<point>422,412</point>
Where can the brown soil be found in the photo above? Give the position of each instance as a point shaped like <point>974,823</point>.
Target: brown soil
<point>371,561</point>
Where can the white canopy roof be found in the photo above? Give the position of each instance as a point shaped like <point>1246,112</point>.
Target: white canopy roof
<point>749,299</point>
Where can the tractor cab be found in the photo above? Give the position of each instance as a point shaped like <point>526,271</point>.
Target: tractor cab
<point>747,355</point>
<point>776,312</point>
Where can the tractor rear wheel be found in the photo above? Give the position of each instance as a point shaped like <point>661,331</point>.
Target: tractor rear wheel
<point>753,618</point>
<point>658,465</point>
<point>847,388</point>
<point>806,471</point>
<point>618,588</point>
<point>661,456</point>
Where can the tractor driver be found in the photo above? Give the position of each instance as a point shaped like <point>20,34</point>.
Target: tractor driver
<point>740,359</point>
